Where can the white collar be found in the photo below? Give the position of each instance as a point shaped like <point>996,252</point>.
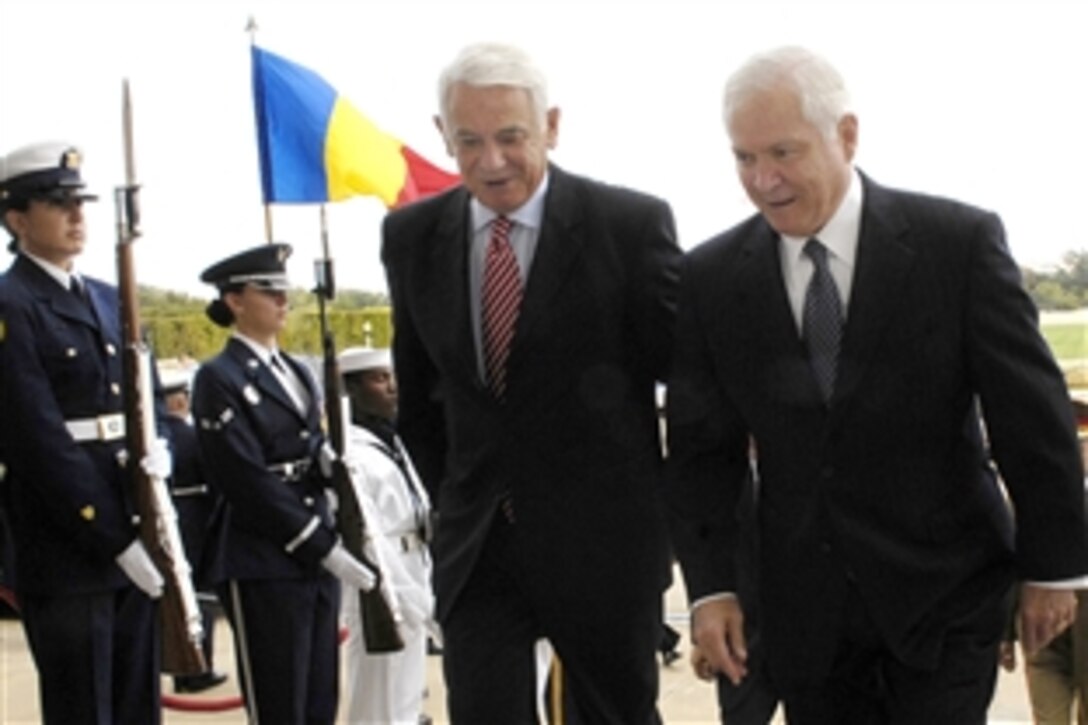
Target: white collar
<point>841,233</point>
<point>62,276</point>
<point>530,214</point>
<point>263,353</point>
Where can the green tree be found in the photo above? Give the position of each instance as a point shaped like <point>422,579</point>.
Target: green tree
<point>1063,288</point>
<point>177,326</point>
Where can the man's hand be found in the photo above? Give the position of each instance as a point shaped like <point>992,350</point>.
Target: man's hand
<point>1044,614</point>
<point>717,629</point>
<point>1006,655</point>
<point>701,666</point>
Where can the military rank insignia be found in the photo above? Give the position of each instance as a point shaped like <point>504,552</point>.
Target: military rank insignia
<point>71,159</point>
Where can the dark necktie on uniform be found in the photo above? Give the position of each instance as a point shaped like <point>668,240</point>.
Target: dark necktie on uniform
<point>821,325</point>
<point>80,293</point>
<point>500,302</point>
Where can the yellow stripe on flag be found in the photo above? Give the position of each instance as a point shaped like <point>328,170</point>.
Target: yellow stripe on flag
<point>360,158</point>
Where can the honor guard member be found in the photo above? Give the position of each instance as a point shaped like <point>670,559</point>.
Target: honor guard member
<point>193,502</point>
<point>386,688</point>
<point>84,582</point>
<point>258,418</point>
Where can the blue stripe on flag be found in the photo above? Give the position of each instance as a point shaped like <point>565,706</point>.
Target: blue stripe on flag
<point>293,108</point>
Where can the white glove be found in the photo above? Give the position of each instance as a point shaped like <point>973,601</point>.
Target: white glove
<point>137,565</point>
<point>348,569</point>
<point>326,456</point>
<point>419,612</point>
<point>158,463</point>
<point>433,630</point>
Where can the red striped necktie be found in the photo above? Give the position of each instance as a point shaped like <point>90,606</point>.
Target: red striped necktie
<point>500,303</point>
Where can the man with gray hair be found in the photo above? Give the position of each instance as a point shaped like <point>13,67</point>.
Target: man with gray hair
<point>533,313</point>
<point>854,338</point>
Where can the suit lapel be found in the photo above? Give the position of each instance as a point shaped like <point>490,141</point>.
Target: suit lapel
<point>108,320</point>
<point>768,320</point>
<point>561,241</point>
<point>883,264</point>
<point>63,303</point>
<point>760,272</point>
<point>445,307</point>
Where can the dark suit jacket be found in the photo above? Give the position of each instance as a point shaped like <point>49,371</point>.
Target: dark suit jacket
<point>890,484</point>
<point>67,502</point>
<point>575,443</point>
<point>245,423</point>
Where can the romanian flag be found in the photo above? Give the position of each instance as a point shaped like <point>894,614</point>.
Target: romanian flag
<point>315,147</point>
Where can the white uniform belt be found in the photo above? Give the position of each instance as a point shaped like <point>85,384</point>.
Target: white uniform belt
<point>406,542</point>
<point>108,427</point>
<point>291,471</point>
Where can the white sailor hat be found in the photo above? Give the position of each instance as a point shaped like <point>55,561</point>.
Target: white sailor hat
<point>264,266</point>
<point>173,380</point>
<point>357,359</point>
<point>48,170</point>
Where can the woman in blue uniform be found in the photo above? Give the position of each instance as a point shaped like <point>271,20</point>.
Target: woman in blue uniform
<point>274,549</point>
<point>84,581</point>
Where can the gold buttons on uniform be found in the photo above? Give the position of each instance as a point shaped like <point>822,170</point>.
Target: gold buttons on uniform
<point>87,513</point>
<point>115,388</point>
<point>110,349</point>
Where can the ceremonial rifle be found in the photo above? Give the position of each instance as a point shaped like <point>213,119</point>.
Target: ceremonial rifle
<point>182,631</point>
<point>380,633</point>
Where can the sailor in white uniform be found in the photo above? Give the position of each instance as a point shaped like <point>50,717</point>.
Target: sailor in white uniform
<point>386,688</point>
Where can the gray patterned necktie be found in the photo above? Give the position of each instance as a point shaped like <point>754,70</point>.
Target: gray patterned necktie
<point>821,324</point>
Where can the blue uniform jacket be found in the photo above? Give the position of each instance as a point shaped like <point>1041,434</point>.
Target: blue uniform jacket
<point>265,526</point>
<point>67,502</point>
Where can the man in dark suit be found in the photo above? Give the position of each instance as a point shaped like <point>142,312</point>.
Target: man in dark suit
<point>84,581</point>
<point>859,365</point>
<point>542,454</point>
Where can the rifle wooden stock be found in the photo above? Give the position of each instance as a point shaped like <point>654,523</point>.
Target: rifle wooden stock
<point>182,630</point>
<point>380,632</point>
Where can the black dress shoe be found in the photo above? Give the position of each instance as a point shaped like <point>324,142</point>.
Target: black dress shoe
<point>670,656</point>
<point>199,683</point>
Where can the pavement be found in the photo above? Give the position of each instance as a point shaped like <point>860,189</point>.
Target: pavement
<point>684,700</point>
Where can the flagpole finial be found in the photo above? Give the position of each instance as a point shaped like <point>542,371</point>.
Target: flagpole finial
<point>251,28</point>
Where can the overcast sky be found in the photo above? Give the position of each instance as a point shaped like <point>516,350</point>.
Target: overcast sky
<point>984,101</point>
